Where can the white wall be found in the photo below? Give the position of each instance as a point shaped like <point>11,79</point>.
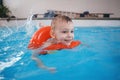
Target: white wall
<point>77,23</point>
<point>24,8</point>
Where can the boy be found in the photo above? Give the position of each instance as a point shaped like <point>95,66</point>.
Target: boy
<point>62,31</point>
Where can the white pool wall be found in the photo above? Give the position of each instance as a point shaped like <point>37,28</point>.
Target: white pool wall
<point>80,23</point>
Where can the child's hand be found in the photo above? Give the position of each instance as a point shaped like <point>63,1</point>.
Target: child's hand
<point>52,69</point>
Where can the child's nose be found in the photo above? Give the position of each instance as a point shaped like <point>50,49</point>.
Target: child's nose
<point>69,35</point>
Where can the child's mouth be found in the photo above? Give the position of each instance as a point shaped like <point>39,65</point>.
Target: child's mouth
<point>68,41</point>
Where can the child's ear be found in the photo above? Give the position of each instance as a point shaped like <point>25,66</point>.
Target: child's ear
<point>52,34</point>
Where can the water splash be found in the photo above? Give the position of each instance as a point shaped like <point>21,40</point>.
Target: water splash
<point>29,26</point>
<point>11,61</point>
<point>5,33</point>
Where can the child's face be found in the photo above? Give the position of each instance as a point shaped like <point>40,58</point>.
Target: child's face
<point>64,32</point>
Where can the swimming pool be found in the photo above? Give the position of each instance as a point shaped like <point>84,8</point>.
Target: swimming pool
<point>100,60</point>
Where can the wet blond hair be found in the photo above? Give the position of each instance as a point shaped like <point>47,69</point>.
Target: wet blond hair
<point>59,18</point>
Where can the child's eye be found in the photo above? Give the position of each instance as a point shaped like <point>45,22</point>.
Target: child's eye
<point>64,31</point>
<point>72,31</point>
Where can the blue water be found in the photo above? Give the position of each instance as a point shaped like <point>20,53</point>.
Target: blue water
<point>98,59</point>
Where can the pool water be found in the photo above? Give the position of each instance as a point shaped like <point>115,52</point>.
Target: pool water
<point>98,59</point>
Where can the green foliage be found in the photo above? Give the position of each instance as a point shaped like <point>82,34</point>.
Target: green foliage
<point>4,12</point>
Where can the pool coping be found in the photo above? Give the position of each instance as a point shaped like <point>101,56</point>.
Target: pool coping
<point>84,18</point>
<point>82,22</point>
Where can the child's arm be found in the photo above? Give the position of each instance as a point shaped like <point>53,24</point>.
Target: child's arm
<point>40,63</point>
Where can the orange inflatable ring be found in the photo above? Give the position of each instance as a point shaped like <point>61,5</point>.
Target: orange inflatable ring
<point>42,35</point>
